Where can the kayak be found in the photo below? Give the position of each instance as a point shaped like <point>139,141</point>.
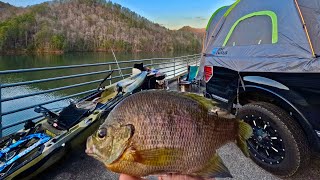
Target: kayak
<point>31,150</point>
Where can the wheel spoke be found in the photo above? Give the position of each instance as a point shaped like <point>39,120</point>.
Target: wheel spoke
<point>267,153</point>
<point>265,143</point>
<point>276,150</point>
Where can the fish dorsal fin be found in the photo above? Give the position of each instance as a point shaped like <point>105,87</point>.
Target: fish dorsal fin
<point>157,156</point>
<point>204,102</point>
<point>215,168</point>
<point>120,142</point>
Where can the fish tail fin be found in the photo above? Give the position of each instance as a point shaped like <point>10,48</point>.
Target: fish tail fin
<point>245,132</point>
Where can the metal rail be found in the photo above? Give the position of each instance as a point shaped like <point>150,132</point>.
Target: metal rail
<point>172,66</point>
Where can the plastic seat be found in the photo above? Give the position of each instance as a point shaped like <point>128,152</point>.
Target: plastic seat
<point>189,78</point>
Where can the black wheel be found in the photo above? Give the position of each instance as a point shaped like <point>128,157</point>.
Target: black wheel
<point>278,143</point>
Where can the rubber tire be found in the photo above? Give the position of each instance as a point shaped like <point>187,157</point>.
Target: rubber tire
<point>297,149</point>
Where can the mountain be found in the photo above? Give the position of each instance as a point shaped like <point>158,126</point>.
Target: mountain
<point>197,31</point>
<point>4,5</point>
<point>86,25</point>
<point>7,11</point>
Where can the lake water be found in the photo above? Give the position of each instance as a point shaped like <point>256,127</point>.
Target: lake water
<point>33,61</point>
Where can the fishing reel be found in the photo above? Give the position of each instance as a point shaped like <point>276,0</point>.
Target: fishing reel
<point>46,112</point>
<point>119,89</point>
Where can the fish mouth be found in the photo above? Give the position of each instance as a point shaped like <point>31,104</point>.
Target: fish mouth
<point>90,152</point>
<point>89,147</point>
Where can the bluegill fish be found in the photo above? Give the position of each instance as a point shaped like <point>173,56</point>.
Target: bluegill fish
<point>158,132</point>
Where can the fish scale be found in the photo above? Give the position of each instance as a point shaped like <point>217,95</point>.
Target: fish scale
<point>167,132</point>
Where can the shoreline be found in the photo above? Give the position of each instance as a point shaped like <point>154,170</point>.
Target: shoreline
<point>60,52</point>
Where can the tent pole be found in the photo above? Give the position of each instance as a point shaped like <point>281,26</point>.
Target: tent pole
<point>224,16</point>
<point>203,40</point>
<point>305,28</point>
<point>211,36</point>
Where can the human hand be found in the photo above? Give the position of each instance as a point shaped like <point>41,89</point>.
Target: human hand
<point>127,177</point>
<point>178,177</point>
<point>165,177</point>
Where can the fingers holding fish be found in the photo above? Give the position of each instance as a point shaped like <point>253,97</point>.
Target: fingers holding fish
<point>163,177</point>
<point>127,177</point>
<point>180,177</point>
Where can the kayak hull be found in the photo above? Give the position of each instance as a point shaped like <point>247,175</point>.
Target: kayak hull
<point>41,163</point>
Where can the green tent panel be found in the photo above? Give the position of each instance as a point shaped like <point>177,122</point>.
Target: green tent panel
<point>271,14</point>
<point>253,36</point>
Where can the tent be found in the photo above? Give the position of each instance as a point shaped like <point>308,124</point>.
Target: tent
<point>264,36</point>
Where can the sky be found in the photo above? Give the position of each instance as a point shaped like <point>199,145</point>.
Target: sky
<point>172,14</point>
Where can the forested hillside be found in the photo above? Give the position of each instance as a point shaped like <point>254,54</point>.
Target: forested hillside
<point>86,25</point>
<point>197,31</point>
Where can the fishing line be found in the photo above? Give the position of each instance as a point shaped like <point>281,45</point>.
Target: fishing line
<point>115,58</point>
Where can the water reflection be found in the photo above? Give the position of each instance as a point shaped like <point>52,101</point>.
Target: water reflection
<point>21,103</point>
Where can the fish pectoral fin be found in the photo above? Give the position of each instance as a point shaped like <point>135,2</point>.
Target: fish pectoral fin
<point>157,157</point>
<point>128,155</point>
<point>245,132</point>
<point>214,169</point>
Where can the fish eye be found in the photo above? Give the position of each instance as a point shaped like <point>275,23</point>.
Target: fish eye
<point>102,133</point>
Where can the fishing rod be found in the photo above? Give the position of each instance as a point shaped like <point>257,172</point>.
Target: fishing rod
<point>115,58</point>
